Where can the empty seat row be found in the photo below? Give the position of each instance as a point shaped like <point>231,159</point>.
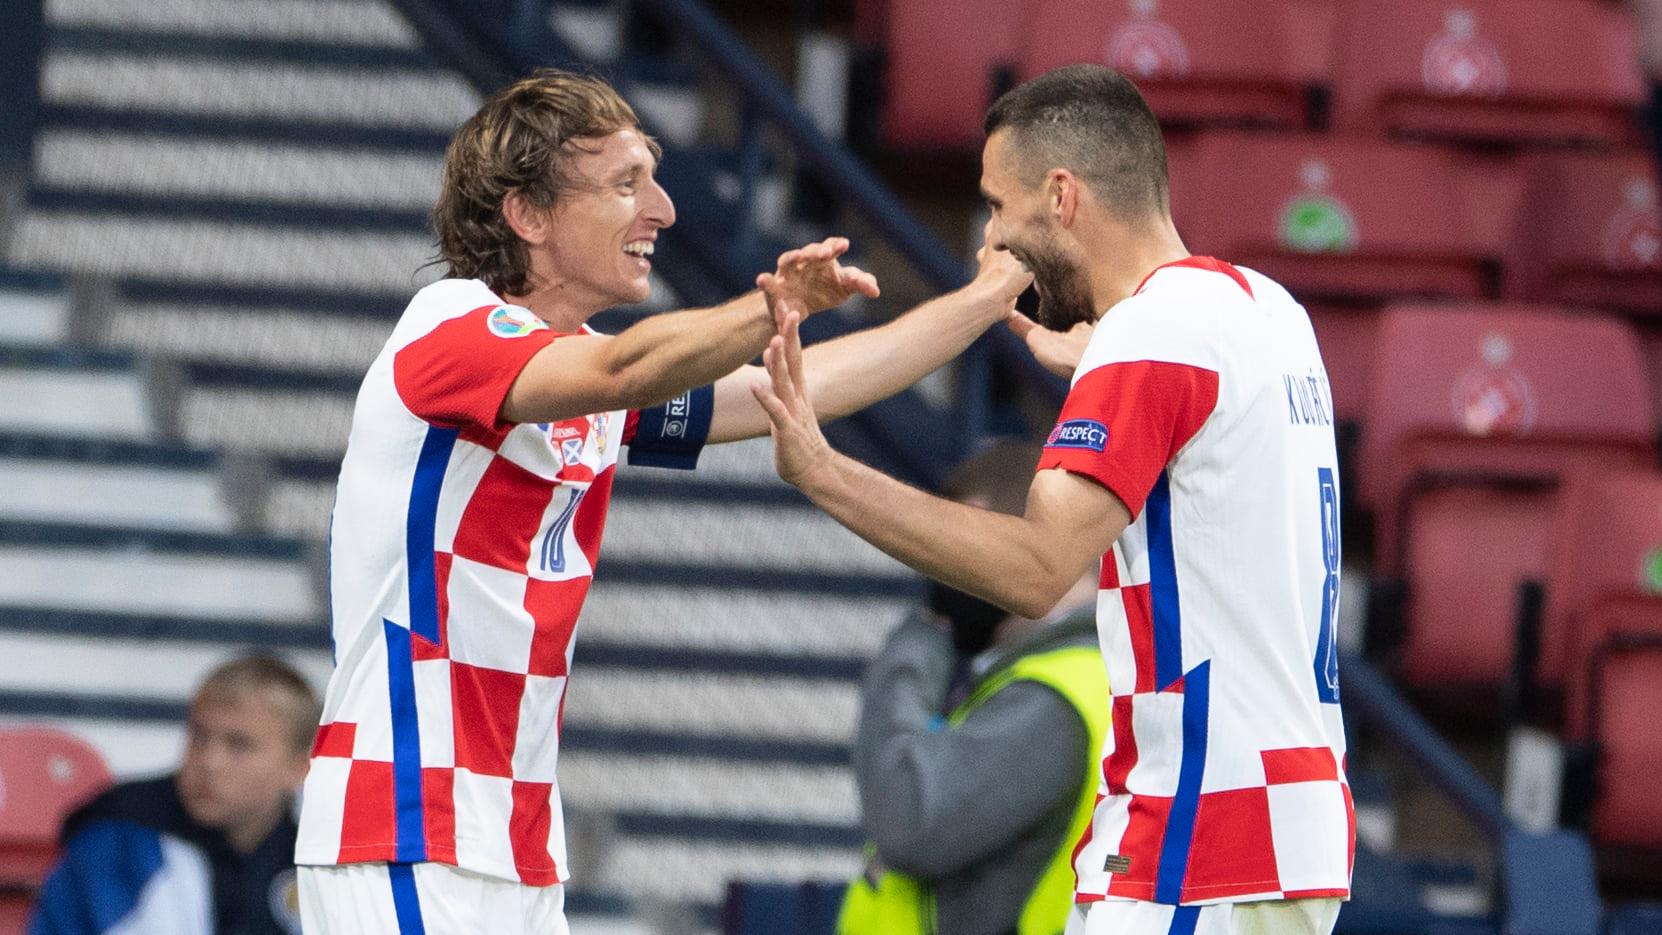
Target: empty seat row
<point>1508,458</point>
<point>1349,224</point>
<point>1526,71</point>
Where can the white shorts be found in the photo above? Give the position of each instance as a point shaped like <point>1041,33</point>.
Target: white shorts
<point>1270,917</point>
<point>424,899</point>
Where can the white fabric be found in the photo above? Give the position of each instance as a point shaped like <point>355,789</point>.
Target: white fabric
<point>357,899</point>
<point>177,900</point>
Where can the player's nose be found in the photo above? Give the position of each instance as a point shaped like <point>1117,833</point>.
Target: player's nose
<point>660,210</point>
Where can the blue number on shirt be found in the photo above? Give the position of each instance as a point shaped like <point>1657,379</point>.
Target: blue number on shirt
<point>554,541</point>
<point>1327,651</point>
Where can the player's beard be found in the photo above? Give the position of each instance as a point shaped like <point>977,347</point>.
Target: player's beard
<point>1064,289</point>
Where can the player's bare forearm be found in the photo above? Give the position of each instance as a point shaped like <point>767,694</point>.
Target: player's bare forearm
<point>1007,560</point>
<point>644,365</point>
<point>1023,564</point>
<point>671,353</point>
<point>849,373</point>
<point>854,371</point>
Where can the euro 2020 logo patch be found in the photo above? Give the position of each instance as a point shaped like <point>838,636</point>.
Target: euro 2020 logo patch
<point>511,321</point>
<point>1087,434</point>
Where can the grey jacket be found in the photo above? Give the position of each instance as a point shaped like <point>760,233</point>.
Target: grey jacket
<point>979,810</point>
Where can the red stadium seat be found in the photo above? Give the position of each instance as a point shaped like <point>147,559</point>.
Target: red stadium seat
<point>14,912</point>
<point>1474,415</point>
<point>1603,573</point>
<point>1332,218</point>
<point>1590,233</point>
<point>1346,337</point>
<point>44,774</point>
<point>1487,70</point>
<point>1624,691</point>
<point>1196,61</point>
<point>944,58</point>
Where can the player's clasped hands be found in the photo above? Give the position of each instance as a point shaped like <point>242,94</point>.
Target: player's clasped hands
<point>810,279</point>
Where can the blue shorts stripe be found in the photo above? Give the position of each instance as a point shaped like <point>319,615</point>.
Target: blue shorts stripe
<point>433,461</point>
<point>405,903</point>
<point>1180,822</point>
<point>1162,586</point>
<point>1183,920</point>
<point>406,746</point>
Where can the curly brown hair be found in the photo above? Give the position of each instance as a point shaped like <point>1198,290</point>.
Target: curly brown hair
<point>520,140</point>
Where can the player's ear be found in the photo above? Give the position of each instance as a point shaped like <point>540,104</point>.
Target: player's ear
<point>1062,189</point>
<point>531,223</point>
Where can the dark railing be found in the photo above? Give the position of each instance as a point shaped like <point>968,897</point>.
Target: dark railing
<point>1548,885</point>
<point>20,44</point>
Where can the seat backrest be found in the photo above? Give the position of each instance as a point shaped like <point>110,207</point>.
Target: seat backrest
<point>943,62</point>
<point>44,774</point>
<point>1331,217</point>
<point>1589,233</point>
<point>1627,813</point>
<point>1605,545</point>
<point>1501,385</point>
<point>1510,70</point>
<point>1196,61</point>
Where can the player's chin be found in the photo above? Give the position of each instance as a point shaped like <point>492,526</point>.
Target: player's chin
<point>639,291</point>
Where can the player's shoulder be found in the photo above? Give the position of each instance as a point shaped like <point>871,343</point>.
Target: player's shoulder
<point>449,299</point>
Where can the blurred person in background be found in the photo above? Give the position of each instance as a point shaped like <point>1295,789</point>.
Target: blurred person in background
<point>208,850</point>
<point>474,491</point>
<point>976,757</point>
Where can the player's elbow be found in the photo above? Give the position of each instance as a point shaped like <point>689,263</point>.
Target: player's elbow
<point>1035,595</point>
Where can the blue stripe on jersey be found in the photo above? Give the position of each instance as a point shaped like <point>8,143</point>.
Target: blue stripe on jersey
<point>406,746</point>
<point>418,531</point>
<point>405,903</point>
<point>1180,822</point>
<point>1162,586</point>
<point>1183,920</point>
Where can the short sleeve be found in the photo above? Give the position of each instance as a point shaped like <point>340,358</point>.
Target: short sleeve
<point>673,434</point>
<point>1123,422</point>
<point>459,373</point>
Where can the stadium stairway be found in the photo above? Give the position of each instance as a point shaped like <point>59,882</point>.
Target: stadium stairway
<point>224,217</point>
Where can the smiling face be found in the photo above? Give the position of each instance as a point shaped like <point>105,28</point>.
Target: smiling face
<point>1025,223</point>
<point>602,230</point>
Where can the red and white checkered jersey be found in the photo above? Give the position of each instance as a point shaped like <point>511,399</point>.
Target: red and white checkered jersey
<point>461,549</point>
<point>1202,403</point>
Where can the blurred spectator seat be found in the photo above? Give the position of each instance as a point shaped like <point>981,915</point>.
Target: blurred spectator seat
<point>1474,415</point>
<point>1332,218</point>
<point>44,774</point>
<point>1623,691</point>
<point>1346,337</point>
<point>1526,71</point>
<point>947,60</point>
<point>1589,233</point>
<point>1603,576</point>
<point>1196,61</point>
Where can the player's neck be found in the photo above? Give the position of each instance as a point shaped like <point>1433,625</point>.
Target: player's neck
<point>1128,256</point>
<point>547,302</point>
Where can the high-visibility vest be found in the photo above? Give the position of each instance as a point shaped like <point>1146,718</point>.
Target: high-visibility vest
<point>902,905</point>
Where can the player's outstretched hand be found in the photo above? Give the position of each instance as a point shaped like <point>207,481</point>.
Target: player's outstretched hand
<point>798,445</point>
<point>1058,351</point>
<point>1000,272</point>
<point>810,279</point>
